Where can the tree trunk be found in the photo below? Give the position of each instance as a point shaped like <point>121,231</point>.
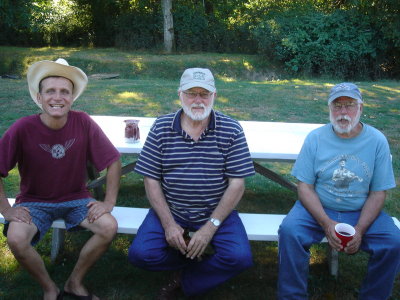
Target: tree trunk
<point>168,26</point>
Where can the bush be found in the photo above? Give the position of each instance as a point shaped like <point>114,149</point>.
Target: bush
<point>137,30</point>
<point>341,44</point>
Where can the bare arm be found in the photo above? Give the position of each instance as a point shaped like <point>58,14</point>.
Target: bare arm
<point>228,202</point>
<point>16,214</point>
<point>173,232</point>
<point>97,208</point>
<point>312,203</point>
<point>369,212</point>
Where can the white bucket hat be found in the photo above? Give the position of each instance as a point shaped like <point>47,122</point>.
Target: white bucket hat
<point>60,67</point>
<point>197,77</point>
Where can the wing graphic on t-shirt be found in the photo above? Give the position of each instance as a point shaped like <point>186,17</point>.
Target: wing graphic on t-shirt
<point>57,151</point>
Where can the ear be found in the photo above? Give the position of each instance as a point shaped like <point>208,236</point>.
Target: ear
<point>39,98</point>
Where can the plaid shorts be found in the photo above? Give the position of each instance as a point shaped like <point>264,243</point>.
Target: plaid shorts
<point>43,214</point>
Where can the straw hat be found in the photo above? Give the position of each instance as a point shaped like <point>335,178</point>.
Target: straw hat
<point>60,67</point>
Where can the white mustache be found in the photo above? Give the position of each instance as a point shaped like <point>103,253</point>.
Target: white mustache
<point>345,117</point>
<point>201,105</point>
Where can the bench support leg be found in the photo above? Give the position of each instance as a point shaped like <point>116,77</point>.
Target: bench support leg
<point>333,257</point>
<point>57,242</point>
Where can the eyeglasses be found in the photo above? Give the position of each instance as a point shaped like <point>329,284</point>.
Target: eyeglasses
<point>348,106</point>
<point>203,95</point>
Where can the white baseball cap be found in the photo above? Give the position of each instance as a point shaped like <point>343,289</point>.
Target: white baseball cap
<point>197,77</point>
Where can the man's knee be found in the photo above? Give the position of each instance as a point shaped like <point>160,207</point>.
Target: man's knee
<point>140,257</point>
<point>18,238</point>
<point>237,259</point>
<point>108,227</point>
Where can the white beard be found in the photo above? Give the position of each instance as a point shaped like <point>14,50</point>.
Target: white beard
<point>350,126</point>
<point>198,116</point>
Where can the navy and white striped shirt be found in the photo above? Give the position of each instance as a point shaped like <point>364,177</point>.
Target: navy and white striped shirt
<point>194,175</point>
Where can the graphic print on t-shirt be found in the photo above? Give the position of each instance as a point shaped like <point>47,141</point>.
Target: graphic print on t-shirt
<point>343,177</point>
<point>57,151</point>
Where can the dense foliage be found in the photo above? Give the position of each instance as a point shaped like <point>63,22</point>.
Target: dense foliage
<point>341,38</point>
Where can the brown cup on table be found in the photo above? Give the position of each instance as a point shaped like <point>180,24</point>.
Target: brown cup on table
<point>132,133</point>
<point>345,233</point>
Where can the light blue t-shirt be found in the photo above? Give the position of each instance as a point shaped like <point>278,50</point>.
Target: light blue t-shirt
<point>343,171</point>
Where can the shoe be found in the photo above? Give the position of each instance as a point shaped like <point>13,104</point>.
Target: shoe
<point>171,289</point>
<point>78,297</point>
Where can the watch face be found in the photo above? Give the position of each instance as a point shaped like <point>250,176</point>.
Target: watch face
<point>216,222</point>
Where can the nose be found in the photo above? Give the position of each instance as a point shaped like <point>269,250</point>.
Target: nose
<point>198,98</point>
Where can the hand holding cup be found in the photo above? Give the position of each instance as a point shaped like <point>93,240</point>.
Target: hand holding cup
<point>345,232</point>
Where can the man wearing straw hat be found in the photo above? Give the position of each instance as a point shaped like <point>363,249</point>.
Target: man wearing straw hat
<point>51,150</point>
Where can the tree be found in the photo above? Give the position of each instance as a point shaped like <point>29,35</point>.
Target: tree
<point>168,26</point>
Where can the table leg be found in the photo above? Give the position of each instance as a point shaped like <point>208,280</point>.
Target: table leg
<point>57,242</point>
<point>275,177</point>
<point>97,183</point>
<point>93,174</point>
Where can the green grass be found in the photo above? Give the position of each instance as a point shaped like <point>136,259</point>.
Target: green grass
<point>147,87</point>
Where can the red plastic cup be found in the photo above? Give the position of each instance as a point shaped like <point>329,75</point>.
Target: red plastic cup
<point>345,232</point>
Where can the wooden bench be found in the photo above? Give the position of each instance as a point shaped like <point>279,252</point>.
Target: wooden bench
<point>259,227</point>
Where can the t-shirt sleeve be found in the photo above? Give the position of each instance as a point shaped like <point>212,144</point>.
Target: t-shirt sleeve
<point>303,168</point>
<point>102,152</point>
<point>8,150</point>
<point>238,162</point>
<point>383,176</point>
<point>150,158</point>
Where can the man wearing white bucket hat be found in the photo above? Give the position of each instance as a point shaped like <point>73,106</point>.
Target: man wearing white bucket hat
<point>194,162</point>
<point>344,169</point>
<point>51,150</point>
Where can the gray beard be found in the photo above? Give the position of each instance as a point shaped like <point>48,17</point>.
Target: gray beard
<point>352,123</point>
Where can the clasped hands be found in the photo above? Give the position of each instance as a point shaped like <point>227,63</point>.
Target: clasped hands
<point>198,242</point>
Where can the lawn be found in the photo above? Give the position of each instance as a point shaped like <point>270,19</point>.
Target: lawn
<point>147,86</point>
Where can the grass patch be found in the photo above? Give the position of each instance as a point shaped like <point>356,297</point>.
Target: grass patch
<point>147,87</point>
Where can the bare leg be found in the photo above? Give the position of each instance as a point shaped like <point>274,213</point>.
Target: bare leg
<point>19,237</point>
<point>104,230</point>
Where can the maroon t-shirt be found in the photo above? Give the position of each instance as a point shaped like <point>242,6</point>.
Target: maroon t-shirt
<point>52,163</point>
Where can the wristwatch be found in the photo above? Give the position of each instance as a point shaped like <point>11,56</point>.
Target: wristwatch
<point>215,222</point>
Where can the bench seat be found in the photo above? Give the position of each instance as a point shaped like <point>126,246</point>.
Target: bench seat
<point>259,227</point>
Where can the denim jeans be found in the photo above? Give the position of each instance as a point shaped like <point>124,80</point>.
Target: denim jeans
<point>232,253</point>
<point>299,231</point>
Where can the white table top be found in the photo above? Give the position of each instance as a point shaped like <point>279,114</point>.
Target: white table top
<point>267,140</point>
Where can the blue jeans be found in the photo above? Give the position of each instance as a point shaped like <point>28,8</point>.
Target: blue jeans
<point>299,231</point>
<point>232,253</point>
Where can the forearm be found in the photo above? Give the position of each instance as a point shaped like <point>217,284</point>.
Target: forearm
<point>4,204</point>
<point>312,203</point>
<point>112,183</point>
<point>230,199</point>
<point>371,209</point>
<point>158,202</point>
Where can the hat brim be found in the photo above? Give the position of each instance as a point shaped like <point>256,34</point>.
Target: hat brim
<point>197,84</point>
<point>47,68</point>
<point>350,94</point>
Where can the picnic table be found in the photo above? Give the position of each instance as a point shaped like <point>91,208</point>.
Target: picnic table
<point>267,141</point>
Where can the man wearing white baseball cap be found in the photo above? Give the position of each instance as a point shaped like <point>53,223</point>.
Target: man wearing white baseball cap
<point>344,169</point>
<point>52,149</point>
<point>194,162</point>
